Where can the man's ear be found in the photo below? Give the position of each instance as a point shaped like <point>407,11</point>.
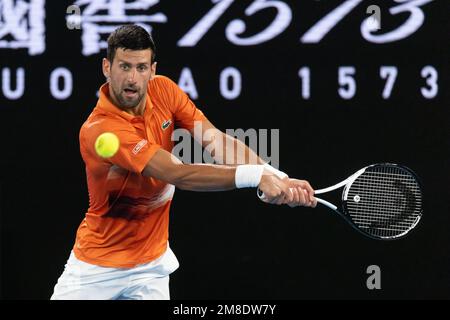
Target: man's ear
<point>106,66</point>
<point>153,70</point>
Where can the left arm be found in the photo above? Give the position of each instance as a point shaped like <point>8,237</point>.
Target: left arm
<point>224,148</point>
<point>231,151</point>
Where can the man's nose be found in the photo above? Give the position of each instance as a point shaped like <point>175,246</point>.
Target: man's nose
<point>132,76</point>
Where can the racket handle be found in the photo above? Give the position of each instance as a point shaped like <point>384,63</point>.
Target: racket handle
<point>262,196</point>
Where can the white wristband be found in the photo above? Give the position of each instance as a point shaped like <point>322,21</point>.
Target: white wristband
<point>276,172</point>
<point>248,175</point>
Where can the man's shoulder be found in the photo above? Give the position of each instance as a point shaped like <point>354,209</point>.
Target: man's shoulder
<point>161,79</point>
<point>100,120</point>
<point>161,83</point>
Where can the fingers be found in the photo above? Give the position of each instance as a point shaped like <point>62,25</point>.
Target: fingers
<point>282,194</point>
<point>309,202</point>
<point>288,191</point>
<point>296,199</point>
<point>310,190</point>
<point>305,191</point>
<point>313,203</point>
<point>289,196</point>
<point>305,199</point>
<point>300,198</point>
<point>306,186</point>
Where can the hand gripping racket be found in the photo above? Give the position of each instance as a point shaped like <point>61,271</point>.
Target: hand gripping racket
<point>382,201</point>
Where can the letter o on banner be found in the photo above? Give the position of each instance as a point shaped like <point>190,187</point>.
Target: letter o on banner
<point>66,76</point>
<point>232,92</point>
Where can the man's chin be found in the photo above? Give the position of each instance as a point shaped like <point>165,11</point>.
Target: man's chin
<point>130,103</point>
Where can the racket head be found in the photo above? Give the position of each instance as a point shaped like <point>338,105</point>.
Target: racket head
<point>384,201</point>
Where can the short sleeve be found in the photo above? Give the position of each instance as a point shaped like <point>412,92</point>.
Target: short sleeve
<point>184,110</point>
<point>134,150</point>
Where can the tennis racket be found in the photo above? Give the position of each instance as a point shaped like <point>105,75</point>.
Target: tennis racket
<point>381,201</point>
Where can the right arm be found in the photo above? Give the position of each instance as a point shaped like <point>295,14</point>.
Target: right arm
<point>206,177</point>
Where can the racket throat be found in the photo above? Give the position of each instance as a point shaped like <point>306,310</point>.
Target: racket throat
<point>327,204</point>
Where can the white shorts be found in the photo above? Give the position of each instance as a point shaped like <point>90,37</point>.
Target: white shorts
<point>84,281</point>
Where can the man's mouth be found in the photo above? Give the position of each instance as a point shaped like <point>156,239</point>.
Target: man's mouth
<point>129,92</point>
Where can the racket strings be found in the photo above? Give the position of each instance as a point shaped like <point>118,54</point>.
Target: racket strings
<point>385,201</point>
<point>386,213</point>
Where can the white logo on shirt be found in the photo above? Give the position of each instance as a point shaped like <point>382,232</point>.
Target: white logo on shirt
<point>139,146</point>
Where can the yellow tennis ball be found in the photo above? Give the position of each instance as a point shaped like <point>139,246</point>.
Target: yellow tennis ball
<point>107,144</point>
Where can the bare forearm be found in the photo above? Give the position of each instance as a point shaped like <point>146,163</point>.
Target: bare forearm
<point>248,155</point>
<point>196,177</point>
<point>232,151</point>
<point>205,177</point>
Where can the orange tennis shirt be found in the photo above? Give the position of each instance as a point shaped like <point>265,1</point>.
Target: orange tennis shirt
<point>127,222</point>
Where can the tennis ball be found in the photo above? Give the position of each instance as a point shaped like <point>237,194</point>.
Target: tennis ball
<point>107,144</point>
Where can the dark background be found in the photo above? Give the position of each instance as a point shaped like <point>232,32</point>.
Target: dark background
<point>231,245</point>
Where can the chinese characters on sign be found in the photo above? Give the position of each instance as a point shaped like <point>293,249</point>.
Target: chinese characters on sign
<point>22,25</point>
<point>99,18</point>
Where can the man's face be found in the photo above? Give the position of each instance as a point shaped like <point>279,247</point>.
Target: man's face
<point>129,75</point>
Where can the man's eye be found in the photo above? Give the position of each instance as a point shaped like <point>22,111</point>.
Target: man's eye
<point>125,67</point>
<point>142,68</point>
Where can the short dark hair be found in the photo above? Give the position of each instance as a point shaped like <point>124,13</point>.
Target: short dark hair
<point>132,37</point>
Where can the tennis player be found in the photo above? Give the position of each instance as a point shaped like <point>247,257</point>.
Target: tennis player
<point>121,249</point>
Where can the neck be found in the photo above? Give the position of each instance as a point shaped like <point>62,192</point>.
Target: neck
<point>139,109</point>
